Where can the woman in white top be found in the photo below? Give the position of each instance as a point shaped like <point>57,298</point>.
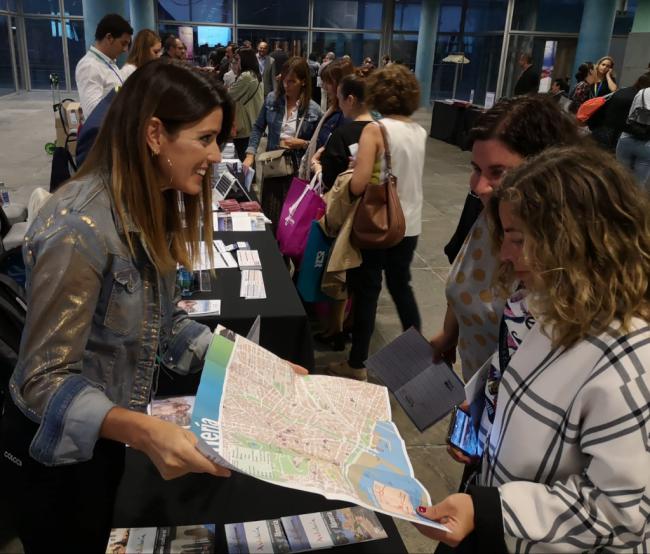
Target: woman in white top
<point>146,47</point>
<point>395,93</point>
<point>633,148</point>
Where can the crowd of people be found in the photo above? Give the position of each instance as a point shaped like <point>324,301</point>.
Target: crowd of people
<point>548,295</point>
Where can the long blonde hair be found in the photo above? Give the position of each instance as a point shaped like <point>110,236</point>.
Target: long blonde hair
<point>587,240</point>
<point>179,96</point>
<point>141,50</point>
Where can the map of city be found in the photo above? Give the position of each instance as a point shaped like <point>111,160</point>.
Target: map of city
<point>320,434</point>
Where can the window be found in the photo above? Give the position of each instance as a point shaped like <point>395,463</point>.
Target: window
<point>292,42</point>
<point>47,7</point>
<point>44,51</point>
<point>624,20</point>
<point>73,7</point>
<point>273,13</point>
<point>356,45</point>
<point>6,72</point>
<point>347,14</point>
<point>449,16</point>
<point>485,15</point>
<point>204,39</point>
<point>407,15</point>
<point>479,75</point>
<point>404,48</point>
<point>76,46</point>
<point>562,67</point>
<point>214,11</point>
<point>548,15</point>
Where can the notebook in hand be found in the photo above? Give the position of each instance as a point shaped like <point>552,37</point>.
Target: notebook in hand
<point>427,391</point>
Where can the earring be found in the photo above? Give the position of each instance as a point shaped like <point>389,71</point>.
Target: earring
<point>171,167</point>
<point>153,153</point>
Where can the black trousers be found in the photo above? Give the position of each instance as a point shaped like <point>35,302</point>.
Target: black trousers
<point>240,147</point>
<point>58,509</point>
<point>365,283</point>
<point>274,192</point>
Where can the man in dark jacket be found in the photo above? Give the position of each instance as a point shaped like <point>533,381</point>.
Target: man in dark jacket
<point>528,82</point>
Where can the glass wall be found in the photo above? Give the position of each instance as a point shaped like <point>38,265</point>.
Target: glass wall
<point>473,28</point>
<point>45,52</point>
<point>40,37</point>
<point>204,39</point>
<point>347,14</point>
<point>6,70</point>
<point>293,42</point>
<point>356,45</point>
<point>214,11</point>
<point>33,32</point>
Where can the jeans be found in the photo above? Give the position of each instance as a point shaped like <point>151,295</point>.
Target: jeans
<point>365,283</point>
<point>66,508</point>
<point>635,155</point>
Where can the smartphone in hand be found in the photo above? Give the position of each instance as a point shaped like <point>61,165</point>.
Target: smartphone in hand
<point>463,434</point>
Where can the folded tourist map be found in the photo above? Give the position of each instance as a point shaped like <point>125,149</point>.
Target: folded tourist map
<point>325,435</point>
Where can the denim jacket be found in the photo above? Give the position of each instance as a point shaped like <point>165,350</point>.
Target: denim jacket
<point>271,116</point>
<point>99,323</point>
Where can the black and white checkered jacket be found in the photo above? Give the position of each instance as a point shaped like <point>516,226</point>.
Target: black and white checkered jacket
<point>569,450</point>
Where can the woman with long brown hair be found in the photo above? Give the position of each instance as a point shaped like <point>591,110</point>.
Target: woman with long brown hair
<point>289,117</point>
<point>146,47</point>
<point>102,321</point>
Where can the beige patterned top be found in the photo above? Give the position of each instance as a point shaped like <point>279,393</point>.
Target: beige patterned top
<point>469,293</point>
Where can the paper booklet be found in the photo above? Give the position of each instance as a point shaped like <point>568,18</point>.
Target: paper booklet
<point>320,434</point>
<point>145,540</point>
<point>426,391</point>
<point>305,532</point>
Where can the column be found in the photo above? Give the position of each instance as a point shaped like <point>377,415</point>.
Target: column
<point>94,10</point>
<point>636,58</point>
<point>595,31</point>
<point>387,24</point>
<point>426,48</point>
<point>142,15</point>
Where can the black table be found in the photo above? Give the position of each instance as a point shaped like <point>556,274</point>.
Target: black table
<point>452,122</point>
<point>144,499</point>
<point>284,327</point>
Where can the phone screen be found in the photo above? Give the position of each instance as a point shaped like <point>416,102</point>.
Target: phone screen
<point>463,435</point>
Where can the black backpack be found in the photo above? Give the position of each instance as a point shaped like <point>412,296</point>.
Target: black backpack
<point>638,122</point>
<point>13,309</point>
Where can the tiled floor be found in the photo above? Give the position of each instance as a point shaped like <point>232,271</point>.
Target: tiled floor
<point>27,123</point>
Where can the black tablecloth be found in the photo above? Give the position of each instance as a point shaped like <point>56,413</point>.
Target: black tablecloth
<point>452,122</point>
<point>145,500</point>
<point>285,328</point>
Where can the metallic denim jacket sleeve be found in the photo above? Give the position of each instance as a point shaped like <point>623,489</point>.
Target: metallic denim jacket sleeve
<point>188,342</point>
<point>64,258</point>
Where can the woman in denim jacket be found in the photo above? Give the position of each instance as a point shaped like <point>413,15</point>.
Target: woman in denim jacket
<point>101,318</point>
<point>290,119</point>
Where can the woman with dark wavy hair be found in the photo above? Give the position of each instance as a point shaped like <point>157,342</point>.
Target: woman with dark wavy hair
<point>504,137</point>
<point>102,320</point>
<point>566,404</point>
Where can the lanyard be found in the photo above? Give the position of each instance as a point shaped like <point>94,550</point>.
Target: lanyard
<point>597,87</point>
<point>109,65</point>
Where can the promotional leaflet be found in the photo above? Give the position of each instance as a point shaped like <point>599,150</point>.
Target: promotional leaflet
<point>326,435</point>
<point>305,532</point>
<point>176,409</point>
<point>162,540</point>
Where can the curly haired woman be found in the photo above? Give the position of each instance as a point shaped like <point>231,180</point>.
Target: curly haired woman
<point>566,415</point>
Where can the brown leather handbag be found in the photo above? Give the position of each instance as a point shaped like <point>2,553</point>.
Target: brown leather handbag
<point>379,220</point>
